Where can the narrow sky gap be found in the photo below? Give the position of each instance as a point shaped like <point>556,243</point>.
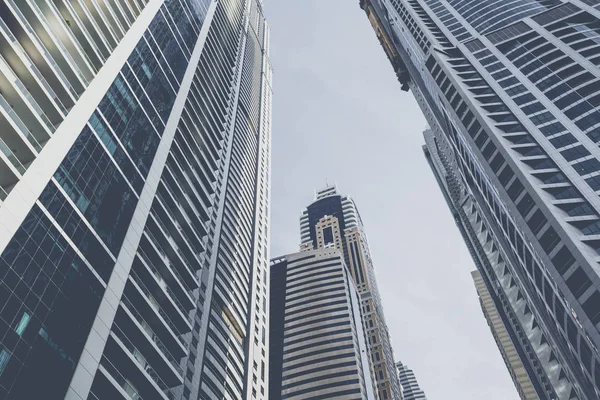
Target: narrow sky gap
<point>340,117</point>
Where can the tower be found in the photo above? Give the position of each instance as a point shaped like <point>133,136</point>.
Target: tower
<point>333,221</point>
<point>318,346</point>
<point>408,381</point>
<point>134,176</point>
<point>510,92</point>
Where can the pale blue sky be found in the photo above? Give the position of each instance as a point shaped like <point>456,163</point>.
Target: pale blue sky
<point>339,115</point>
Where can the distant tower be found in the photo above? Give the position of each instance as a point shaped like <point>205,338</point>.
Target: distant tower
<point>318,347</point>
<point>410,386</point>
<point>333,221</point>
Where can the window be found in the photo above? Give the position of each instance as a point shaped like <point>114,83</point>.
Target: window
<point>20,328</point>
<point>525,205</point>
<point>552,128</point>
<point>549,239</point>
<point>587,166</point>
<point>563,259</point>
<point>537,221</point>
<point>4,357</point>
<point>594,182</point>
<point>592,307</point>
<point>328,235</point>
<point>506,176</point>
<point>497,162</point>
<point>563,140</point>
<point>578,282</point>
<point>575,152</point>
<point>488,150</point>
<point>572,332</point>
<point>580,210</point>
<point>515,190</point>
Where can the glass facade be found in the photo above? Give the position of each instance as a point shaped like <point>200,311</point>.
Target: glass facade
<point>509,91</point>
<point>134,247</point>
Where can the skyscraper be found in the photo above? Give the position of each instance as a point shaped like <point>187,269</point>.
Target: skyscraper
<point>510,90</point>
<point>408,381</point>
<point>333,221</point>
<point>508,350</point>
<point>135,138</point>
<point>318,346</point>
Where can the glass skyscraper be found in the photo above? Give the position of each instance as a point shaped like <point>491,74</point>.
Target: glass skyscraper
<point>511,89</point>
<point>134,188</point>
<point>333,221</point>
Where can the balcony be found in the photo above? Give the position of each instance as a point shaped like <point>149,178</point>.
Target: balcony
<point>45,41</point>
<point>154,351</point>
<point>17,98</point>
<point>162,261</point>
<point>180,222</point>
<point>14,130</point>
<point>170,251</point>
<point>137,297</point>
<point>26,70</point>
<point>160,290</point>
<point>177,237</point>
<point>134,376</point>
<point>157,260</point>
<point>109,383</point>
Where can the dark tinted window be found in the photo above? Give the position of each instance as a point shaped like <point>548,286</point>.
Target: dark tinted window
<point>578,282</point>
<point>549,240</point>
<point>592,307</point>
<point>563,259</point>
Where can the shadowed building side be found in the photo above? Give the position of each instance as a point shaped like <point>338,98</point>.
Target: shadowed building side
<point>507,348</point>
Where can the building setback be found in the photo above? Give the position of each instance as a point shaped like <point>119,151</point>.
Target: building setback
<point>511,93</point>
<point>134,189</point>
<point>508,350</point>
<point>408,381</point>
<point>333,221</point>
<point>318,347</point>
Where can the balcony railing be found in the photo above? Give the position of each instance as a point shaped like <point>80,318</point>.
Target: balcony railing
<point>173,243</point>
<point>154,304</point>
<point>166,289</point>
<point>11,157</point>
<point>17,120</point>
<point>169,265</point>
<point>120,379</point>
<point>139,358</point>
<point>3,194</point>
<point>165,257</point>
<point>148,329</point>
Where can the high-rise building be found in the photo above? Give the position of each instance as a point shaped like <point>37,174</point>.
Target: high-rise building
<point>134,175</point>
<point>508,350</point>
<point>318,347</point>
<point>333,221</point>
<point>408,381</point>
<point>511,92</point>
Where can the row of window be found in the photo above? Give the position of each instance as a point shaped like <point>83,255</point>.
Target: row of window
<point>550,241</point>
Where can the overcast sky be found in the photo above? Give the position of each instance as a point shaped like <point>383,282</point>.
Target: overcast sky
<point>339,115</point>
